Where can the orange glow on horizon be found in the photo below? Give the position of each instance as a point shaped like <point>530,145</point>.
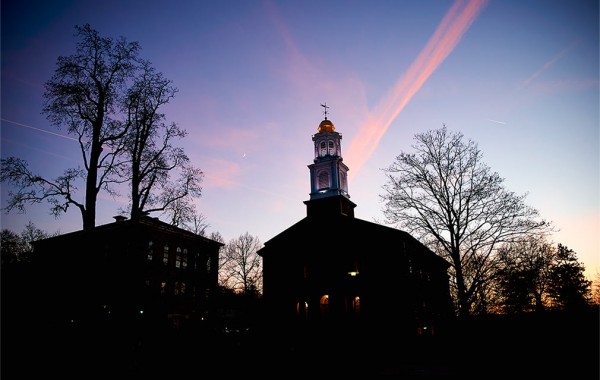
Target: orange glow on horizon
<point>448,34</point>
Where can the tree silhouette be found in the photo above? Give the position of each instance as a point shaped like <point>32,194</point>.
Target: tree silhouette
<point>109,99</point>
<point>453,202</point>
<point>568,288</point>
<point>17,247</point>
<point>524,274</point>
<point>83,95</point>
<point>240,267</point>
<point>150,156</point>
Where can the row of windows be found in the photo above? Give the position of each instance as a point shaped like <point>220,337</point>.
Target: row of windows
<point>178,288</point>
<point>181,257</point>
<point>302,306</point>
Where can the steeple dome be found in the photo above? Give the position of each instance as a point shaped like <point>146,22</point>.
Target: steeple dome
<point>326,126</point>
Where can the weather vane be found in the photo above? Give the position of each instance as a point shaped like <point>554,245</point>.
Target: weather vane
<point>325,106</point>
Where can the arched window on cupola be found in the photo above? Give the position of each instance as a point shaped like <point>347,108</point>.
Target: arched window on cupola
<point>331,150</point>
<point>323,150</point>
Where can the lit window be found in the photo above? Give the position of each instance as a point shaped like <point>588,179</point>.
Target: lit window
<point>178,258</point>
<point>356,305</point>
<point>150,250</point>
<point>302,309</point>
<point>324,305</point>
<point>166,254</point>
<point>163,287</point>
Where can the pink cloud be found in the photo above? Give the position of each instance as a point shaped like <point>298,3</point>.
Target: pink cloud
<point>448,34</point>
<point>227,174</point>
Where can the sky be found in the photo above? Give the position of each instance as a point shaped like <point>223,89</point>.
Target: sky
<point>519,78</point>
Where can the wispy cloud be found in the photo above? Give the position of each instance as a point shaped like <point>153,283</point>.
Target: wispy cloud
<point>39,129</point>
<point>497,121</point>
<point>447,35</point>
<point>544,67</point>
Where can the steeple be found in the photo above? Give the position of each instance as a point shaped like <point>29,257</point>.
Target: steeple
<point>328,173</point>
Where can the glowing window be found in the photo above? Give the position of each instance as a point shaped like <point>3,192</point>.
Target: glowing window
<point>356,305</point>
<point>324,305</point>
<point>302,309</point>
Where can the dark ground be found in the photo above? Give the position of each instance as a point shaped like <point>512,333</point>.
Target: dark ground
<point>556,345</point>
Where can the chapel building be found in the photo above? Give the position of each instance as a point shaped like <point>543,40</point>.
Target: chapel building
<point>334,271</point>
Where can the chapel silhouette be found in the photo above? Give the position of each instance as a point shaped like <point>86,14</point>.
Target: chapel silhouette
<point>338,273</point>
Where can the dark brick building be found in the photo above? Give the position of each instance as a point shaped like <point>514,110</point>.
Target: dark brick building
<point>127,272</point>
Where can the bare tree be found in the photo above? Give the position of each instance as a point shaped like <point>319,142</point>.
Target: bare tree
<point>216,236</point>
<point>111,100</point>
<point>83,95</point>
<point>240,267</point>
<point>151,153</point>
<point>454,203</point>
<point>196,222</point>
<point>18,248</point>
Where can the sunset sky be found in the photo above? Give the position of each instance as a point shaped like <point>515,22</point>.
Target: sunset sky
<point>520,78</point>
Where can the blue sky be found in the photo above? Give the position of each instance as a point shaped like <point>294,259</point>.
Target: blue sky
<point>520,78</point>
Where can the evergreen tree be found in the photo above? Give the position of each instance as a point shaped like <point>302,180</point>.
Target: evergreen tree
<point>568,288</point>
